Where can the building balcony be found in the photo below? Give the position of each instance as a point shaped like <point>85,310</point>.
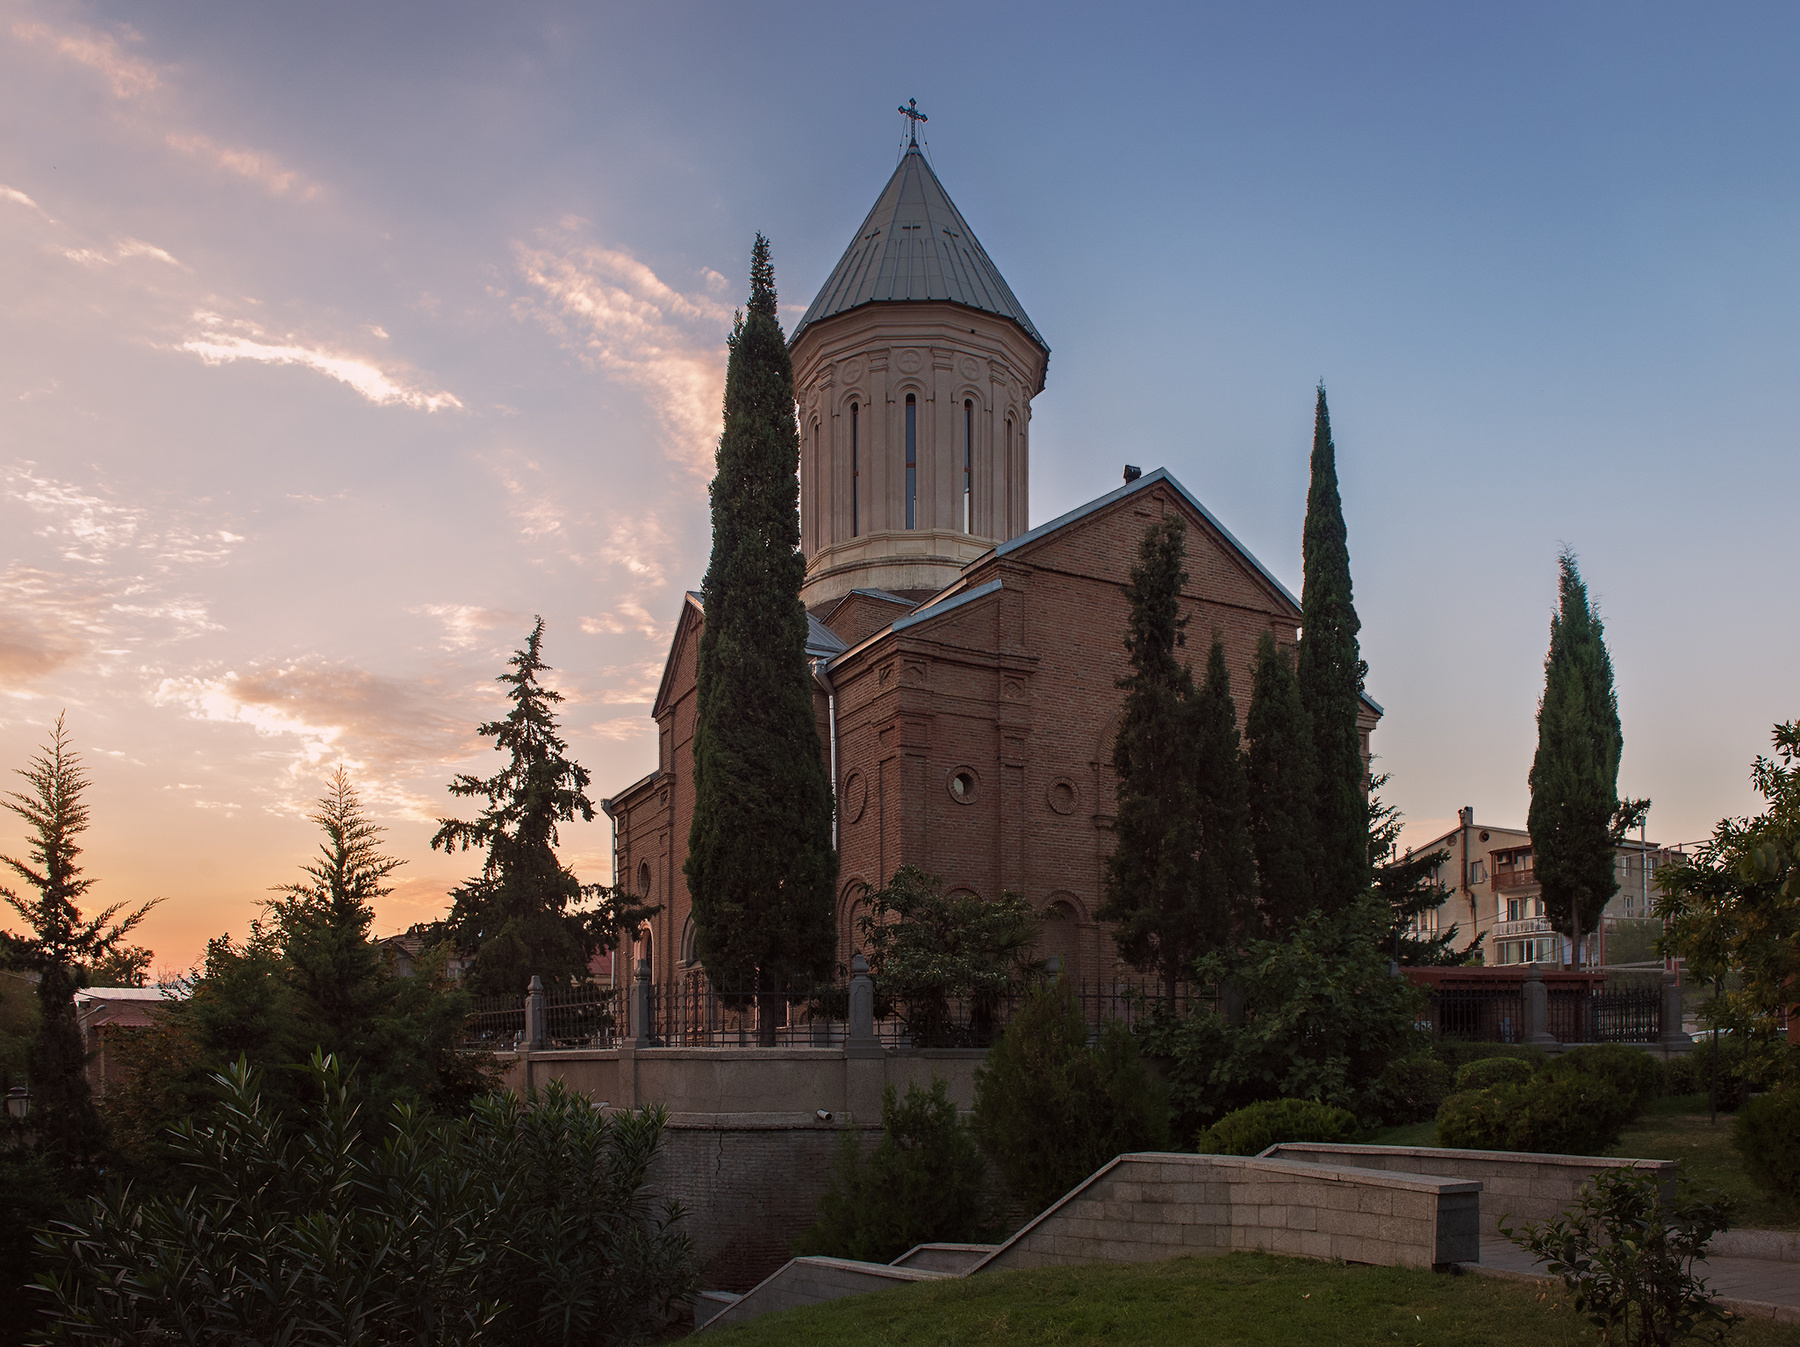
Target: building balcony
<point>1505,930</point>
<point>1514,879</point>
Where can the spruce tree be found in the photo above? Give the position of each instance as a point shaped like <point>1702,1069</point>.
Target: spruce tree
<point>524,914</point>
<point>1575,815</point>
<point>760,867</point>
<point>1152,877</point>
<point>1331,683</point>
<point>1282,791</point>
<point>1227,875</point>
<point>59,944</point>
<point>343,992</point>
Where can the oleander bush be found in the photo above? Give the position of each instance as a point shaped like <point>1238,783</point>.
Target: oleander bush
<point>1767,1135</point>
<point>1408,1090</point>
<point>1491,1071</point>
<point>921,1184</point>
<point>527,1222</point>
<point>1253,1129</point>
<point>1634,1073</point>
<point>1561,1114</point>
<point>1627,1254</point>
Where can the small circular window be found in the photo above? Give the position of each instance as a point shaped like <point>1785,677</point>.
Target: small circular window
<point>1063,796</point>
<point>963,785</point>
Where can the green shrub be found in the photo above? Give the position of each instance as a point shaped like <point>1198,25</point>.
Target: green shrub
<point>921,1184</point>
<point>1682,1075</point>
<point>1252,1130</point>
<point>1408,1090</point>
<point>1767,1135</point>
<point>1456,1053</point>
<point>1627,1254</point>
<point>1564,1114</point>
<point>1050,1110</point>
<point>527,1221</point>
<point>1491,1071</point>
<point>1634,1073</point>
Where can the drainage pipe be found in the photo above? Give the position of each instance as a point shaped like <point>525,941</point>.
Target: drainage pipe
<point>824,681</point>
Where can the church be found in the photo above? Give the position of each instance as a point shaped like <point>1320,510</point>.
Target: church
<point>965,663</point>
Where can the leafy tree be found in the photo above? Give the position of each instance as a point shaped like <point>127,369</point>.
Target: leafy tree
<point>1282,790</point>
<point>1331,673</point>
<point>527,1221</point>
<point>525,914</point>
<point>1227,861</point>
<point>1321,1018</point>
<point>59,944</point>
<point>1050,1109</point>
<point>1733,908</point>
<point>760,866</point>
<point>928,949</point>
<point>1576,818</point>
<point>920,1185</point>
<point>1152,877</point>
<point>1409,885</point>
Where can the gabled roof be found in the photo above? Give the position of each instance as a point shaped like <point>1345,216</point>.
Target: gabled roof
<point>821,641</point>
<point>1143,483</point>
<point>915,245</point>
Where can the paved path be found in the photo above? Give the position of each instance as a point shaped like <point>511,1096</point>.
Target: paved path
<point>1751,1282</point>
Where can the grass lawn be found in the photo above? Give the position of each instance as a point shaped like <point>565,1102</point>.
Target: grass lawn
<point>1671,1129</point>
<point>1240,1298</point>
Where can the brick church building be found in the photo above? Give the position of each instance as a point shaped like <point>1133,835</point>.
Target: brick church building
<point>965,663</point>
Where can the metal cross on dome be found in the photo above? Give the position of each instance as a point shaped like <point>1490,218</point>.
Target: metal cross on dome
<point>914,116</point>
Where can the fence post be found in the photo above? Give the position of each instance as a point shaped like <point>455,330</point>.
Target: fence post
<point>641,1026</point>
<point>535,1029</point>
<point>1535,1010</point>
<point>1674,1037</point>
<point>862,1041</point>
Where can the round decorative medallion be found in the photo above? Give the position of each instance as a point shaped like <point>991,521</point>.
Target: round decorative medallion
<point>1064,795</point>
<point>963,784</point>
<point>909,362</point>
<point>971,368</point>
<point>852,371</point>
<point>854,798</point>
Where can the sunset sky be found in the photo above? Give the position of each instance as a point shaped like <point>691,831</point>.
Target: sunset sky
<point>338,340</point>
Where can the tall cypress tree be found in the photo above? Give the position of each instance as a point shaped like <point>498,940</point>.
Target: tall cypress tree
<point>1227,859</point>
<point>1331,682</point>
<point>1576,817</point>
<point>1152,875</point>
<point>1282,790</point>
<point>760,863</point>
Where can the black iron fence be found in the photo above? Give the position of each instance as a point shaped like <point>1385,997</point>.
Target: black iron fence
<point>1625,1015</point>
<point>1496,1014</point>
<point>495,1022</point>
<point>1478,1014</point>
<point>693,1013</point>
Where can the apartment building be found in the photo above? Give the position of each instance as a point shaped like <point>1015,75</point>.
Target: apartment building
<point>1494,892</point>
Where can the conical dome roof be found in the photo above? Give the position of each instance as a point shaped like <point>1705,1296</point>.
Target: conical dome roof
<point>915,245</point>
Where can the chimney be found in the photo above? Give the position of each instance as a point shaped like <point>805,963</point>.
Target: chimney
<point>1466,816</point>
<point>1133,472</point>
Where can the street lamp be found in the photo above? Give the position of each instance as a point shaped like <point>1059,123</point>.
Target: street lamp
<point>18,1101</point>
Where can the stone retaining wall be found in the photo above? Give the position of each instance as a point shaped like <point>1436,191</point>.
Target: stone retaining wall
<point>1518,1185</point>
<point>808,1281</point>
<point>1149,1206</point>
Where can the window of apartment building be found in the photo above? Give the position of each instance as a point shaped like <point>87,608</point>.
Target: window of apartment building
<point>1477,873</point>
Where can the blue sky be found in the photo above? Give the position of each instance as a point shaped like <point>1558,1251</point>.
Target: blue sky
<point>338,340</point>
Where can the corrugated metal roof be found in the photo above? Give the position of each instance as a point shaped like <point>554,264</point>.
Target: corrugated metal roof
<point>915,245</point>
